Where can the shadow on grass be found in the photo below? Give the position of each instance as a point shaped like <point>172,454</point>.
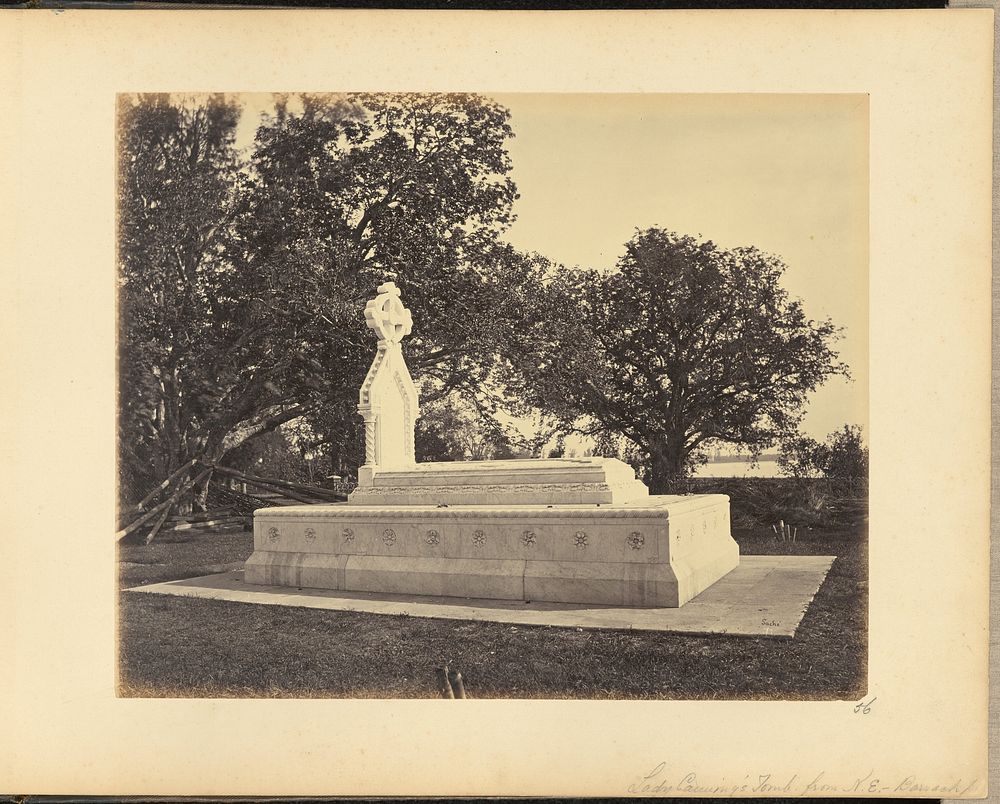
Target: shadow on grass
<point>185,647</point>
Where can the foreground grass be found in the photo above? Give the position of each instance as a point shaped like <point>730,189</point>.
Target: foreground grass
<point>186,647</point>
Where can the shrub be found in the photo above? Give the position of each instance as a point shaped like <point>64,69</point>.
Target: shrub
<point>843,457</point>
<point>847,457</point>
<point>804,502</point>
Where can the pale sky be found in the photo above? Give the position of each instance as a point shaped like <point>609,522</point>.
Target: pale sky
<point>785,173</point>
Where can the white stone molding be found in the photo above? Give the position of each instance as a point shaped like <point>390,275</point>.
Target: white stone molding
<point>494,489</point>
<point>652,508</point>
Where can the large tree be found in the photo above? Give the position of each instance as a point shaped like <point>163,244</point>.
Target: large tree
<point>683,345</point>
<point>353,189</point>
<point>243,278</point>
<point>180,312</point>
<point>212,351</point>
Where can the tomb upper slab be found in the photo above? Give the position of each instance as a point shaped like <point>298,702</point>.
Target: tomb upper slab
<point>551,481</point>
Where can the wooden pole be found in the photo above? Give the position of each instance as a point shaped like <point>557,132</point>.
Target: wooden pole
<point>136,523</point>
<point>283,492</point>
<point>268,485</point>
<point>215,513</point>
<point>316,491</point>
<point>446,690</point>
<point>135,509</point>
<point>459,686</point>
<point>165,504</point>
<point>159,524</point>
<point>203,524</point>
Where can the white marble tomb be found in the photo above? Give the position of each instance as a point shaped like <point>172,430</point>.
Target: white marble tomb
<point>567,530</point>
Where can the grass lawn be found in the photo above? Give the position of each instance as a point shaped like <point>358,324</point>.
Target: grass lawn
<point>186,647</point>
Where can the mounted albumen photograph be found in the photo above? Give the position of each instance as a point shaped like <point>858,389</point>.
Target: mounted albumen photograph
<point>473,395</point>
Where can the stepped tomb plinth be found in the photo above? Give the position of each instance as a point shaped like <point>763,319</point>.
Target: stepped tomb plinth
<point>562,530</point>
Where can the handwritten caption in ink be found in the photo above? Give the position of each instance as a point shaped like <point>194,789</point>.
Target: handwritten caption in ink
<point>661,780</point>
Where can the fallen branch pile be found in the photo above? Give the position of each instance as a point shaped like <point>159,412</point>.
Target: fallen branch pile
<point>228,508</point>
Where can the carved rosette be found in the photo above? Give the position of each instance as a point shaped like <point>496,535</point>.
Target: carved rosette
<point>478,538</point>
<point>389,536</point>
<point>310,534</point>
<point>528,538</point>
<point>580,540</point>
<point>273,534</point>
<point>433,537</point>
<point>635,540</point>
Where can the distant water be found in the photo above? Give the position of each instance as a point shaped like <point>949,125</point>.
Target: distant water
<point>766,467</point>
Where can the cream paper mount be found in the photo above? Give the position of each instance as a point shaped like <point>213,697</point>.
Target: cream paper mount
<point>921,729</point>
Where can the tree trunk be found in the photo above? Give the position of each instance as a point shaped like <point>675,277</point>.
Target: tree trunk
<point>668,469</point>
<point>246,430</point>
<point>201,494</point>
<point>207,450</point>
<point>137,508</point>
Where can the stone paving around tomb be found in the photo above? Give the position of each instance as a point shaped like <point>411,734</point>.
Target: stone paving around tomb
<point>766,596</point>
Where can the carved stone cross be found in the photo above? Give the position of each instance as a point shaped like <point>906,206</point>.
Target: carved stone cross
<point>387,316</point>
<point>388,400</point>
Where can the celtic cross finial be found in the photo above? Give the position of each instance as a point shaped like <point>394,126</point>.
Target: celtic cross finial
<point>387,316</point>
<point>388,399</point>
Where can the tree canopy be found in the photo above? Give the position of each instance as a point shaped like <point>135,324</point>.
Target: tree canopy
<point>412,186</point>
<point>682,346</point>
<point>452,429</point>
<point>243,274</point>
<point>243,277</point>
<point>188,331</point>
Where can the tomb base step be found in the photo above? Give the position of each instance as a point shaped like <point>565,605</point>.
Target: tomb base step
<point>661,551</point>
<point>599,583</point>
